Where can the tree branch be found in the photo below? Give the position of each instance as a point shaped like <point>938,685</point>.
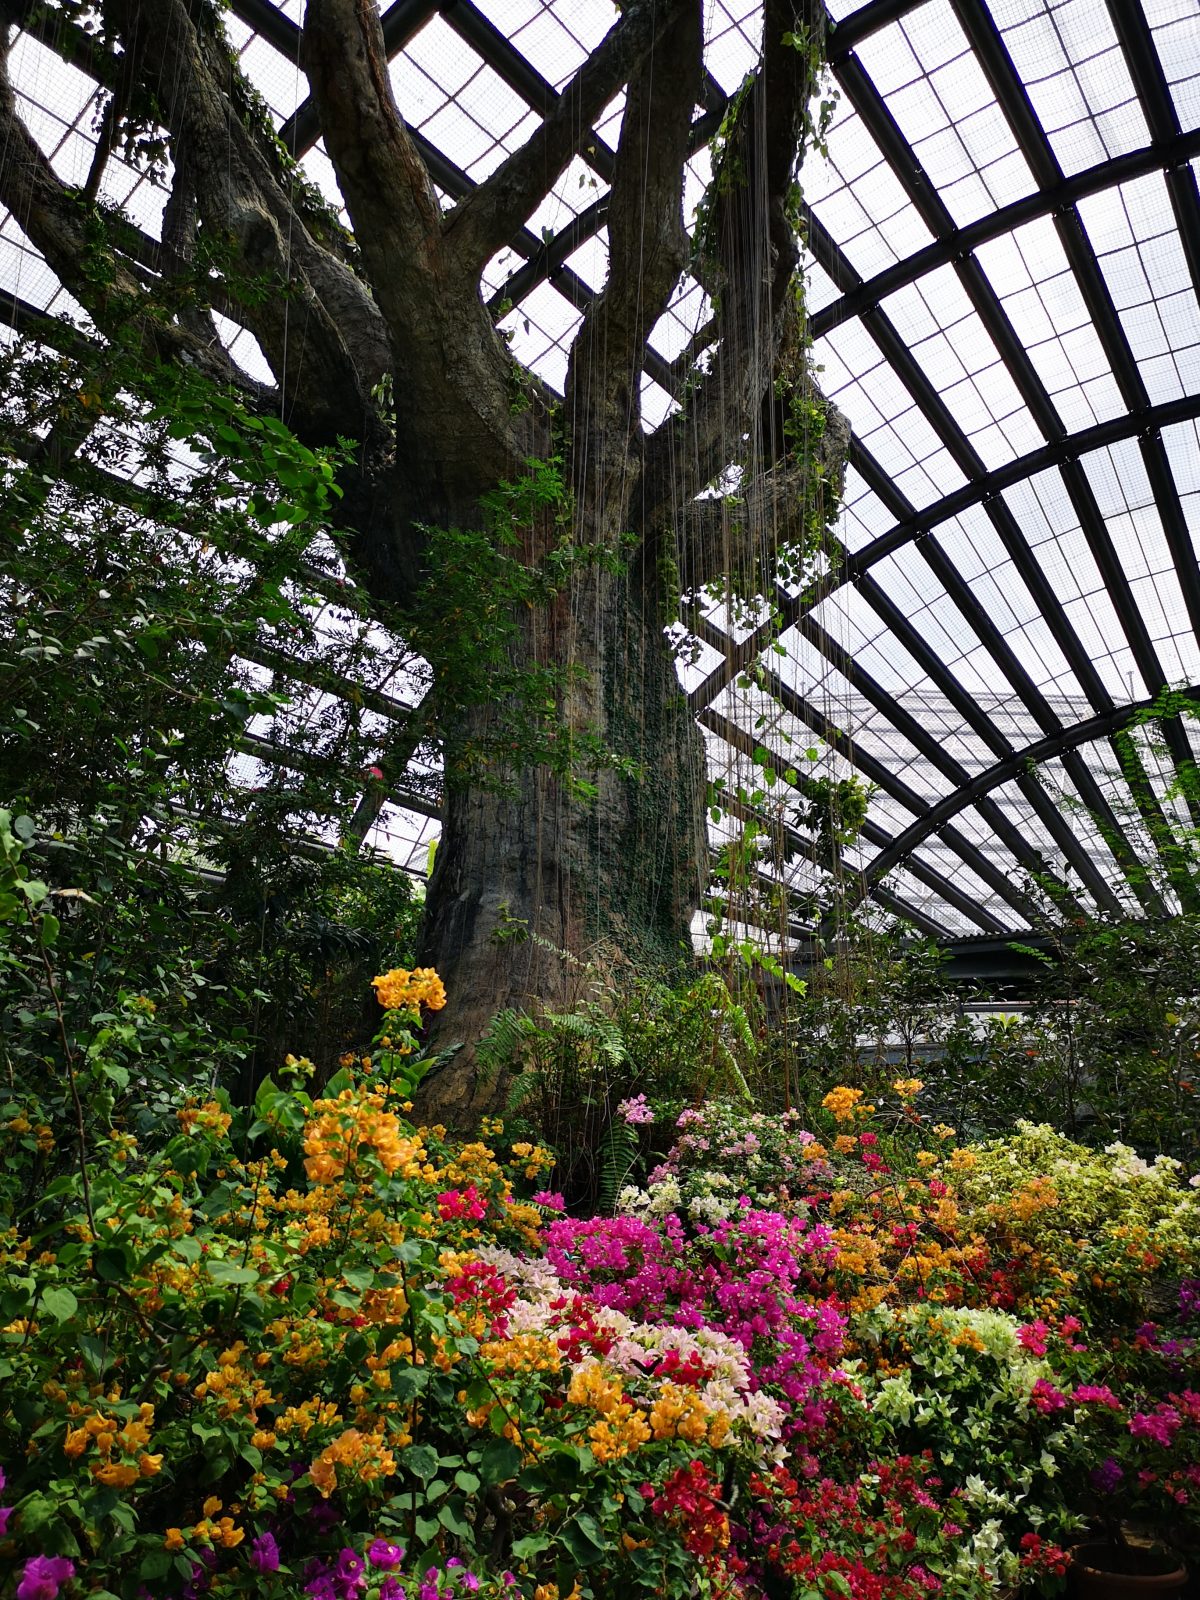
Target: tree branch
<point>63,228</point>
<point>749,257</point>
<point>457,429</point>
<point>316,324</point>
<point>485,221</point>
<point>647,247</point>
<point>737,536</point>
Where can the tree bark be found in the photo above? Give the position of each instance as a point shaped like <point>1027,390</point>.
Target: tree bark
<point>532,872</point>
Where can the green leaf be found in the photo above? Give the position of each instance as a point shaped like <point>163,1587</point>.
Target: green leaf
<point>60,1303</point>
<point>427,1528</point>
<point>34,1512</point>
<point>452,1519</point>
<point>583,1538</point>
<point>422,1461</point>
<point>531,1545</point>
<point>228,1272</point>
<point>499,1461</point>
<point>95,1353</point>
<point>114,1264</point>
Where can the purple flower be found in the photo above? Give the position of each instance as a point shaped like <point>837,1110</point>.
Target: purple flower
<point>386,1555</point>
<point>349,1576</point>
<point>1106,1476</point>
<point>391,1589</point>
<point>264,1553</point>
<point>44,1576</point>
<point>636,1110</point>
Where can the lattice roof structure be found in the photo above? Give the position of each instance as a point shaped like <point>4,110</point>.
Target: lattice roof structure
<point>1003,283</point>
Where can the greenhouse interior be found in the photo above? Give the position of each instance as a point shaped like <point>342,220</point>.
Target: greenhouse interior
<point>599,807</point>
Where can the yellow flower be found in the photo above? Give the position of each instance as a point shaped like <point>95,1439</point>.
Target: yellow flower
<point>908,1088</point>
<point>401,989</point>
<point>842,1102</point>
<point>590,1387</point>
<point>174,1539</point>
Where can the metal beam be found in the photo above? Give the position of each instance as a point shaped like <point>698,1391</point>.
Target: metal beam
<point>270,24</point>
<point>843,36</point>
<point>1151,419</point>
<point>1099,727</point>
<point>926,742</point>
<point>885,778</point>
<point>1167,155</point>
<point>740,739</point>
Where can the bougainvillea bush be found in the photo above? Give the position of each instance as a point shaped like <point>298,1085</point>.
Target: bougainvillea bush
<point>307,1348</point>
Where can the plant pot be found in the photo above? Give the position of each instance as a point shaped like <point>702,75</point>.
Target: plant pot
<point>1125,1572</point>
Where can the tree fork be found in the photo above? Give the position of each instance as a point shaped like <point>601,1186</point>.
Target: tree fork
<point>530,866</point>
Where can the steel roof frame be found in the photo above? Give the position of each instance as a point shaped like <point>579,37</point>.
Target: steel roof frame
<point>1169,150</point>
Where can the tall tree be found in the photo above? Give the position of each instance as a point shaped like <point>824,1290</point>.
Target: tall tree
<point>535,545</point>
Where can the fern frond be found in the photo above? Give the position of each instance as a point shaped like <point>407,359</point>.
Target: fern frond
<point>618,1156</point>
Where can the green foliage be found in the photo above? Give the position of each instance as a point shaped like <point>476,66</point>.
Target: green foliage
<point>140,642</point>
<point>572,1076</point>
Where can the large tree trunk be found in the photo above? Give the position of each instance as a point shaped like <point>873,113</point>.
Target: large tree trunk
<point>531,875</point>
<point>537,885</point>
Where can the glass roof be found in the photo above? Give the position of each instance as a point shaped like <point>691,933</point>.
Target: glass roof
<point>1003,251</point>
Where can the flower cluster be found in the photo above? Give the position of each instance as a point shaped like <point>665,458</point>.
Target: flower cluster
<point>401,990</point>
<point>311,1349</point>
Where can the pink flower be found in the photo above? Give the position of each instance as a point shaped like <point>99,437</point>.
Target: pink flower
<point>1034,1337</point>
<point>551,1201</point>
<point>455,1204</point>
<point>44,1576</point>
<point>1046,1398</point>
<point>1095,1394</point>
<point>636,1110</point>
<point>1162,1425</point>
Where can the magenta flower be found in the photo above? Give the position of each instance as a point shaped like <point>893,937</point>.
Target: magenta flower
<point>385,1555</point>
<point>551,1201</point>
<point>1161,1425</point>
<point>349,1576</point>
<point>1046,1398</point>
<point>44,1576</point>
<point>1034,1337</point>
<point>391,1589</point>
<point>636,1110</point>
<point>264,1553</point>
<point>1095,1394</point>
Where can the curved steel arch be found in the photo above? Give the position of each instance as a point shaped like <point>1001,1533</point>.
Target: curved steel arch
<point>1031,755</point>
